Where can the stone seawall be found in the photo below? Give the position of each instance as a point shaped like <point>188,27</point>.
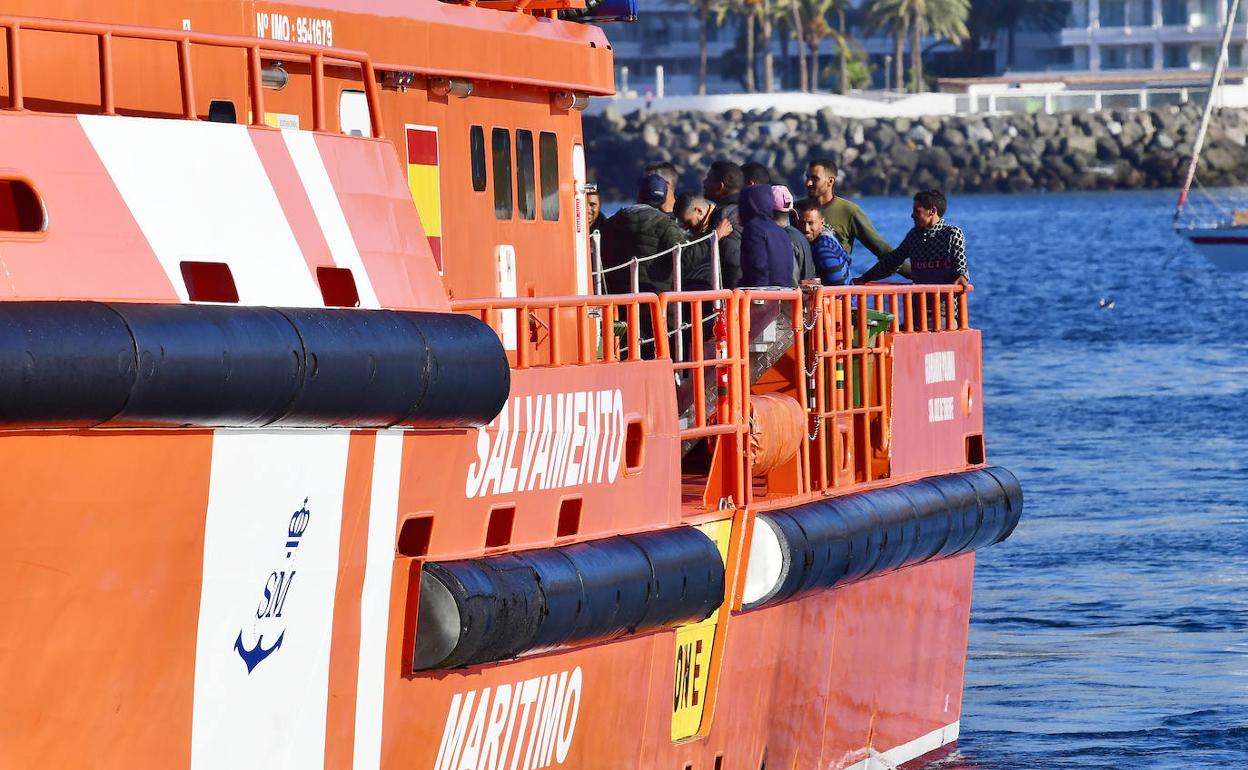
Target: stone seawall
<point>959,154</point>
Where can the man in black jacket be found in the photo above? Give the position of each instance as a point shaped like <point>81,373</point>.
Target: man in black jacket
<point>722,186</point>
<point>642,230</point>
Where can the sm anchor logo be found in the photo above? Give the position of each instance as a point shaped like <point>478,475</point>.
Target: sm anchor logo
<point>268,624</point>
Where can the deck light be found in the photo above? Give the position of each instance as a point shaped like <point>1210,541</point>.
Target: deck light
<point>568,100</point>
<point>400,81</point>
<point>274,76</point>
<point>450,87</point>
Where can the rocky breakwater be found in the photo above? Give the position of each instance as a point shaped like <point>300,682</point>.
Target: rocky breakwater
<point>959,154</point>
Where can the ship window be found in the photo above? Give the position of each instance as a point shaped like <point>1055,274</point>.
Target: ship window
<point>353,115</point>
<point>548,146</point>
<point>476,154</point>
<point>975,449</point>
<point>498,529</point>
<point>500,141</point>
<point>222,111</point>
<point>634,448</point>
<point>414,536</point>
<point>209,282</point>
<point>21,211</point>
<point>569,517</point>
<point>337,287</point>
<point>525,191</point>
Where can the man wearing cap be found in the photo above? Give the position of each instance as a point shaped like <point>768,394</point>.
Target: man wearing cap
<point>641,230</point>
<point>803,262</point>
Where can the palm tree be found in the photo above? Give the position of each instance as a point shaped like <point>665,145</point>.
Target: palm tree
<point>769,65</point>
<point>891,17</point>
<point>816,28</point>
<point>799,32</point>
<point>942,19</point>
<point>789,14</point>
<point>842,51</point>
<point>703,8</point>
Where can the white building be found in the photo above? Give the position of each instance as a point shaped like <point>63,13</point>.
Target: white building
<point>1149,34</point>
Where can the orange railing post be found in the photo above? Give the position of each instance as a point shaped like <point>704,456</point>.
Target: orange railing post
<point>255,82</point>
<point>185,80</point>
<point>318,92</point>
<point>16,96</point>
<point>108,98</point>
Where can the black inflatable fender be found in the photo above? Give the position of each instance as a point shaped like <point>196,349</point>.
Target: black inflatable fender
<point>493,608</point>
<point>71,364</point>
<point>843,539</point>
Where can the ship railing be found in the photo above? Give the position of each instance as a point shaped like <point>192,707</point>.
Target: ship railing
<point>184,41</point>
<point>675,254</point>
<point>560,331</point>
<point>848,371</point>
<point>825,347</point>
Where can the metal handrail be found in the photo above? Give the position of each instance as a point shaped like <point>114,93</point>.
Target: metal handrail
<point>848,439</point>
<point>184,40</point>
<point>635,261</point>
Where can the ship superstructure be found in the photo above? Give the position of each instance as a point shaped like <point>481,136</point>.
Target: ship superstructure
<point>323,454</point>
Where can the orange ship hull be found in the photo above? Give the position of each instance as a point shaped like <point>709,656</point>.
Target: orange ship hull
<point>106,580</point>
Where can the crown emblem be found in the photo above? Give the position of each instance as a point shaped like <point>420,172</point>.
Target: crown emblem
<point>299,521</point>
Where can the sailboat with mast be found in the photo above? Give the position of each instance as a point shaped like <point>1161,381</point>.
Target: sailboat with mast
<point>1223,238</point>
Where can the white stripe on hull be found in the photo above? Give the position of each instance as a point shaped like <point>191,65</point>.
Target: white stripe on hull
<point>375,600</point>
<point>907,751</point>
<point>200,193</point>
<point>273,714</point>
<point>316,182</point>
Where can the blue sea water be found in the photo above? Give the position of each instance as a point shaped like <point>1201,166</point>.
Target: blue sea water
<point>1111,629</point>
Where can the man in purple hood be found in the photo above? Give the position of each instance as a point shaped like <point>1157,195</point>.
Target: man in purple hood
<point>766,252</point>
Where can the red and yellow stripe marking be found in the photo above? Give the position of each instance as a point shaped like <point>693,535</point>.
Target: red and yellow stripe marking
<point>425,184</point>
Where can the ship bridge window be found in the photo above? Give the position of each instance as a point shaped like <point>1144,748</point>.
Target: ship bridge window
<point>353,116</point>
<point>21,211</point>
<point>548,151</point>
<point>476,154</point>
<point>500,144</point>
<point>526,192</point>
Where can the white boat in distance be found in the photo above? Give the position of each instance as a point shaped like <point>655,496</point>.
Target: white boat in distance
<point>1225,246</point>
<point>1224,241</point>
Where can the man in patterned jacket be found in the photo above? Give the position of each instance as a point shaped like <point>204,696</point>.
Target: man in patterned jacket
<point>935,248</point>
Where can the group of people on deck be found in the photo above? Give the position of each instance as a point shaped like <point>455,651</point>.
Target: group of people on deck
<point>764,237</point>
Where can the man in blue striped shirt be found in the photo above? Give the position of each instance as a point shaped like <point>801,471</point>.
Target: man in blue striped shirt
<point>831,259</point>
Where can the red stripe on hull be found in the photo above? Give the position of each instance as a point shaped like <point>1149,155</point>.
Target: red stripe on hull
<point>293,198</point>
<point>93,248</point>
<point>435,245</point>
<point>377,204</point>
<point>1220,240</point>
